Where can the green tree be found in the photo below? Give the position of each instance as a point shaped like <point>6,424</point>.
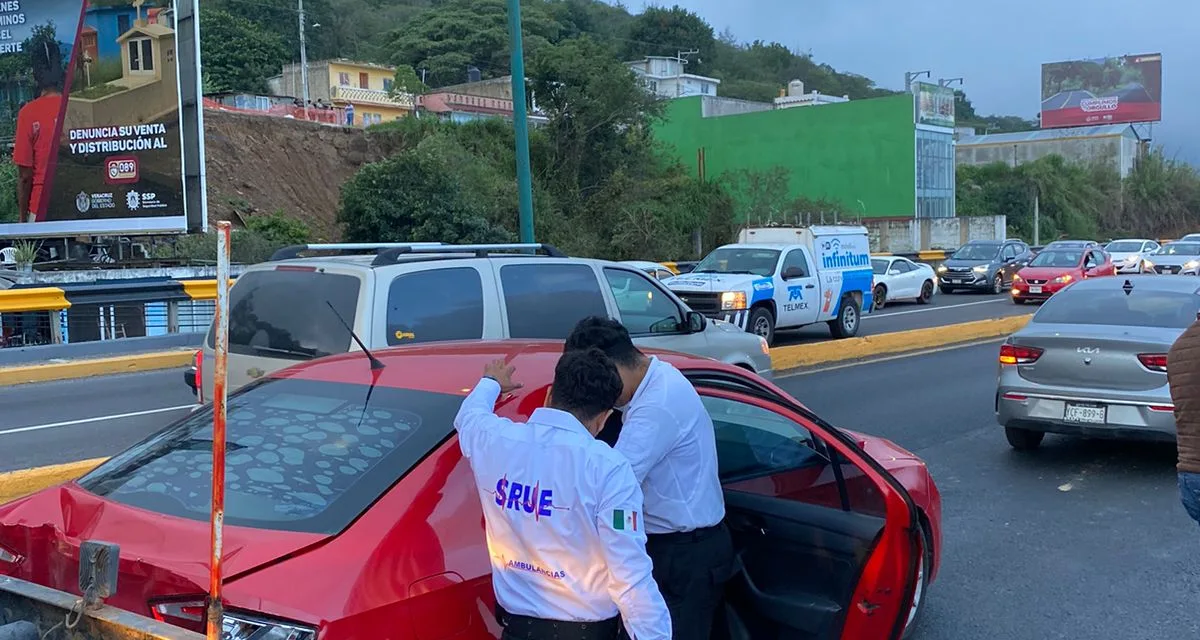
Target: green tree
<point>659,31</point>
<point>417,195</point>
<point>406,81</point>
<point>237,54</point>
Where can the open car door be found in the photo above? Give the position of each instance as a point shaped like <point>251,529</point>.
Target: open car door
<point>828,542</point>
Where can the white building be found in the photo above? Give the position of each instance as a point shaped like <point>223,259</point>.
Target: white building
<point>665,77</point>
<point>1116,145</point>
<point>795,97</point>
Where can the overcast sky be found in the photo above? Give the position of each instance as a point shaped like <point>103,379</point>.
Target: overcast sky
<point>997,47</point>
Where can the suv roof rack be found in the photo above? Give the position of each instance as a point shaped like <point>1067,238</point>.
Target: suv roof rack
<point>393,255</point>
<point>343,248</point>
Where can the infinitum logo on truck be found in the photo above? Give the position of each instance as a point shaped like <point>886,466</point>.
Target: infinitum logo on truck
<point>835,257</point>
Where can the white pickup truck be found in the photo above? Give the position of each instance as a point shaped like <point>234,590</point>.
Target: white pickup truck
<point>784,278</point>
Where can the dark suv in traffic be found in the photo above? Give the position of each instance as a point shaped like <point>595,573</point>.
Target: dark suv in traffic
<point>983,265</point>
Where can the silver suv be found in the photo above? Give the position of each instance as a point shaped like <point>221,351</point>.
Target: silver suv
<point>287,310</point>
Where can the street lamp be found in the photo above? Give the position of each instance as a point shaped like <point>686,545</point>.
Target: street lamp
<point>520,123</point>
<point>303,58</point>
<point>945,82</point>
<point>909,76</point>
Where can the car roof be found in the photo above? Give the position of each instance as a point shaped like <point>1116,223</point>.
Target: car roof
<point>643,264</point>
<point>455,367</point>
<point>1074,244</point>
<point>1130,240</point>
<point>367,261</point>
<point>988,242</point>
<point>1180,284</point>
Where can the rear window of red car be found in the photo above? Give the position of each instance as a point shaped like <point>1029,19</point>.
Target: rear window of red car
<point>301,455</point>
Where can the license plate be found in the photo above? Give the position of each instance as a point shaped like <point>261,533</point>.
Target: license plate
<point>1035,288</point>
<point>1086,413</point>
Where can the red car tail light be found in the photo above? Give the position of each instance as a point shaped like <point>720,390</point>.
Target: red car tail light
<point>188,615</point>
<point>1154,361</point>
<point>1016,354</point>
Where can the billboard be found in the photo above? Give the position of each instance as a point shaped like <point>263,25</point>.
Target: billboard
<point>1102,91</point>
<point>934,104</point>
<point>89,102</point>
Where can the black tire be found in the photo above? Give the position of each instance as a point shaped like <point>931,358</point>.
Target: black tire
<point>1023,439</point>
<point>879,297</point>
<point>926,293</point>
<point>945,290</point>
<point>998,284</point>
<point>920,597</point>
<point>762,323</point>
<point>849,316</point>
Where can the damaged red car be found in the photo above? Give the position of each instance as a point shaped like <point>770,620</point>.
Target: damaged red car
<point>350,513</point>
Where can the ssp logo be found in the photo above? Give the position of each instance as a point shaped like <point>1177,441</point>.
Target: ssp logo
<point>120,170</point>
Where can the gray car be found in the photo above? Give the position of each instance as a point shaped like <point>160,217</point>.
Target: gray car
<point>1182,258</point>
<point>292,308</point>
<point>983,265</point>
<point>1093,361</point>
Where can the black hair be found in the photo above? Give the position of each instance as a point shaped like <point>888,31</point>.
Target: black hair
<point>586,384</point>
<point>607,335</point>
<point>45,58</point>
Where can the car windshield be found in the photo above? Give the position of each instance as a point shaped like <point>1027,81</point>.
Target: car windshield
<point>977,252</point>
<point>1057,258</point>
<point>1147,308</point>
<point>302,455</point>
<point>1180,249</point>
<point>760,262</point>
<point>1124,246</point>
<point>880,267</point>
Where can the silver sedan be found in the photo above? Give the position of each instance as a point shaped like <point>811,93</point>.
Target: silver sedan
<point>1093,361</point>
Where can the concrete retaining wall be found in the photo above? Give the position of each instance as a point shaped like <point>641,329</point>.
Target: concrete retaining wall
<point>912,235</point>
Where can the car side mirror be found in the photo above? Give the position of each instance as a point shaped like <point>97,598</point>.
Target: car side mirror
<point>695,322</point>
<point>791,273</point>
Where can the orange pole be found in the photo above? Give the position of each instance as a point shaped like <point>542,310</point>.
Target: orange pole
<point>221,347</point>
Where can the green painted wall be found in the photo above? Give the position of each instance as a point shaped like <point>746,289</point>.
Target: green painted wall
<point>859,150</point>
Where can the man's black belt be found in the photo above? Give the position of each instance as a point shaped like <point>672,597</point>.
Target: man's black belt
<point>679,537</point>
<point>529,628</point>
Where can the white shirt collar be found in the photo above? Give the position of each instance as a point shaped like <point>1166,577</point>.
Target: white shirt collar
<point>654,362</point>
<point>558,419</point>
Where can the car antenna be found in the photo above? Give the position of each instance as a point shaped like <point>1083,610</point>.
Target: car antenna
<point>376,364</point>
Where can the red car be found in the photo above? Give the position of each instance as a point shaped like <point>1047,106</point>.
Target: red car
<point>351,515</point>
<point>1056,267</point>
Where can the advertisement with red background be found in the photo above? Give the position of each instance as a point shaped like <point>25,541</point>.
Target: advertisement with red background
<point>91,103</point>
<point>1124,89</point>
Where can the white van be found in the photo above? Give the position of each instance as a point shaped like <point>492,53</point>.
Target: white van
<point>784,278</point>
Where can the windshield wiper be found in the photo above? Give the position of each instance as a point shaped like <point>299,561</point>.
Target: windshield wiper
<point>286,352</point>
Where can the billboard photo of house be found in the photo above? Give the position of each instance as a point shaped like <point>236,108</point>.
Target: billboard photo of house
<point>1124,89</point>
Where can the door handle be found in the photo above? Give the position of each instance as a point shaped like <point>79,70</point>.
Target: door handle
<point>809,286</point>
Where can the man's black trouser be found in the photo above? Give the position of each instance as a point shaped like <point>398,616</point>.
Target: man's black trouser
<point>691,570</point>
<point>526,628</point>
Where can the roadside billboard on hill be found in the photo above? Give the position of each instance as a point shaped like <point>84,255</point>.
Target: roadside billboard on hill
<point>1123,89</point>
<point>90,114</point>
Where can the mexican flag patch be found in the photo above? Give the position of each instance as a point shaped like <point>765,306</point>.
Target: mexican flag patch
<point>625,520</point>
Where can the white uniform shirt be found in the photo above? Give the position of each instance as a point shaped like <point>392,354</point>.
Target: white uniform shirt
<point>668,437</point>
<point>563,515</point>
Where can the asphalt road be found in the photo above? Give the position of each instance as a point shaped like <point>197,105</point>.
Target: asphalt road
<point>945,309</point>
<point>1080,539</point>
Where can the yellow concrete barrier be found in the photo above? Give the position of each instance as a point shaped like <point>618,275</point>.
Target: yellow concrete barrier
<point>807,355</point>
<point>95,367</point>
<point>36,299</point>
<point>931,255</point>
<point>201,289</point>
<point>16,484</point>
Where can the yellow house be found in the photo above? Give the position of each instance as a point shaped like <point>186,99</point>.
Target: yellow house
<point>365,86</point>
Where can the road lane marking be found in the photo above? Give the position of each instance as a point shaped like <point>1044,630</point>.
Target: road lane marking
<point>901,356</point>
<point>887,314</point>
<point>73,423</point>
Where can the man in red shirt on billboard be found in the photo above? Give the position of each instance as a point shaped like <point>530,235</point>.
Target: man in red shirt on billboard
<point>36,125</point>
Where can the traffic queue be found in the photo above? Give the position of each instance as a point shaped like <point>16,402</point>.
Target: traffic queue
<point>500,440</point>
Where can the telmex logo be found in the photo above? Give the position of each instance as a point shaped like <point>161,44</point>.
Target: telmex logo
<point>121,170</point>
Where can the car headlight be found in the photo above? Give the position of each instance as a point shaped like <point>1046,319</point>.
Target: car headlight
<point>241,627</point>
<point>1063,279</point>
<point>766,348</point>
<point>981,269</point>
<point>941,268</point>
<point>733,300</point>
<point>1191,264</point>
<point>1149,264</point>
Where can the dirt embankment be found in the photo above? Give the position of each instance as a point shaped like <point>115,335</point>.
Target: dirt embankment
<point>260,164</point>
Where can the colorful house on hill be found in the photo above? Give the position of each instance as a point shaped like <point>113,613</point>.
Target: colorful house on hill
<point>108,19</point>
<point>364,86</point>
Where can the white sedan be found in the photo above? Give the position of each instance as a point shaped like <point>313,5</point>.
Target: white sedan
<point>1132,255</point>
<point>902,279</point>
<point>653,269</point>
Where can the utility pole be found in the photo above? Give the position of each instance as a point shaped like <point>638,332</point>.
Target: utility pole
<point>521,122</point>
<point>1036,217</point>
<point>303,58</point>
<point>910,76</point>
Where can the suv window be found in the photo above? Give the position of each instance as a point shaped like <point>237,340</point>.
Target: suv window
<point>435,305</point>
<point>302,455</point>
<point>546,301</point>
<point>282,313</point>
<point>1010,251</point>
<point>644,308</point>
<point>795,258</point>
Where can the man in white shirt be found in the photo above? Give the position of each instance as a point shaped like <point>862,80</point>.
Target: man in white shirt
<point>562,510</point>
<point>668,437</point>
